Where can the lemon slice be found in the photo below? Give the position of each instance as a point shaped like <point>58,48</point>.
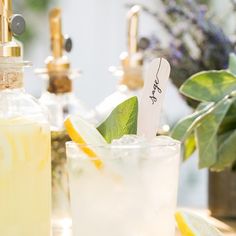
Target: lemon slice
<point>81,132</point>
<point>190,224</point>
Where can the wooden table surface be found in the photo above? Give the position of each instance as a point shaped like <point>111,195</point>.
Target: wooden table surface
<point>227,227</point>
<point>231,231</point>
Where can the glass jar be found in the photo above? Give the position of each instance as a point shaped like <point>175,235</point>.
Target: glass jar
<point>60,101</point>
<point>25,167</point>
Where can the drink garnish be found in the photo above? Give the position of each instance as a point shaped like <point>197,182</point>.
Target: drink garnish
<point>151,101</point>
<point>83,133</point>
<point>121,121</point>
<point>191,224</point>
<point>126,118</point>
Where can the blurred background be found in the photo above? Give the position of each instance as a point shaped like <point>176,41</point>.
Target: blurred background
<point>186,32</point>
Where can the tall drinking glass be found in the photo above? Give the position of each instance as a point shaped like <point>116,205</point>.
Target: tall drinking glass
<point>133,192</point>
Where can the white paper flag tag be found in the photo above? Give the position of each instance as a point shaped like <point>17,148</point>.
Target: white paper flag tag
<point>151,101</point>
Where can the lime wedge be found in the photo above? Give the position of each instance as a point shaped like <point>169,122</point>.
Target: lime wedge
<point>190,224</point>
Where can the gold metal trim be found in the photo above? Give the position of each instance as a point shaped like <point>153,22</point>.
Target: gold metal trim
<point>133,78</point>
<point>57,64</point>
<point>8,47</point>
<point>52,67</point>
<point>10,51</point>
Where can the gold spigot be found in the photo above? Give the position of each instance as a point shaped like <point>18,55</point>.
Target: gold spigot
<point>58,65</point>
<point>56,33</point>
<point>58,62</point>
<point>132,60</point>
<point>10,25</point>
<point>133,23</point>
<point>6,12</point>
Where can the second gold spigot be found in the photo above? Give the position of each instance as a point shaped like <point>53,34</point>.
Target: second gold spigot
<point>59,43</point>
<point>132,60</point>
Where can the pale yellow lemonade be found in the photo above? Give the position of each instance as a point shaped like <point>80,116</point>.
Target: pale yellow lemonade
<point>25,189</point>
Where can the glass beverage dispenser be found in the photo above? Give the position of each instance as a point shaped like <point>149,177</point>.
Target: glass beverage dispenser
<point>131,71</point>
<point>60,100</point>
<point>25,166</point>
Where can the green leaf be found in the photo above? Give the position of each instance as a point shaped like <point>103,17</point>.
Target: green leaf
<point>221,138</point>
<point>189,146</point>
<point>232,63</point>
<point>122,120</point>
<point>186,126</point>
<point>209,86</point>
<point>206,133</point>
<point>229,122</point>
<point>202,105</point>
<point>227,152</point>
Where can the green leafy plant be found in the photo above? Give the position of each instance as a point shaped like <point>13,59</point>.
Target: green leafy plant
<point>196,40</point>
<point>212,127</point>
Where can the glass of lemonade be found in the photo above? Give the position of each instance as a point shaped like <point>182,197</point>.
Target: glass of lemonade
<point>133,193</point>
